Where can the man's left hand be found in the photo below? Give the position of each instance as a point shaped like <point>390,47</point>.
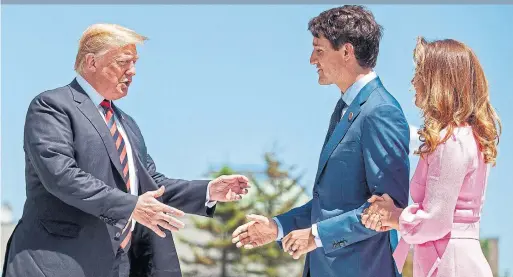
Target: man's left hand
<point>228,188</point>
<point>299,242</point>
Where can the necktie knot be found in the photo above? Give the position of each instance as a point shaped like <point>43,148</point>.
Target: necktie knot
<point>106,104</point>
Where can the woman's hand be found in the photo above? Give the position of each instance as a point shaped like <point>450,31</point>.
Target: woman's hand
<point>382,215</point>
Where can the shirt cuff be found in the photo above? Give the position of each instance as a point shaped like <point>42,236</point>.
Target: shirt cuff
<point>280,229</point>
<point>315,233</point>
<point>209,203</point>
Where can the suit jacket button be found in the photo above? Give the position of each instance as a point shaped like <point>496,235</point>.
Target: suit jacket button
<point>316,194</point>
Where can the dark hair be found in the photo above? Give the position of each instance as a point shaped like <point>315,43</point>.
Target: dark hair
<point>350,24</point>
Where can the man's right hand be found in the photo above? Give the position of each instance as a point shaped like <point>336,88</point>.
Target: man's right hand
<point>154,214</point>
<point>259,231</point>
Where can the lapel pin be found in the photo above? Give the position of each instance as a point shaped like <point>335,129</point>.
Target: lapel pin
<point>350,116</point>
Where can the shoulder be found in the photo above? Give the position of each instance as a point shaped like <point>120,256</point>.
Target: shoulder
<point>57,98</point>
<point>459,147</point>
<point>381,99</point>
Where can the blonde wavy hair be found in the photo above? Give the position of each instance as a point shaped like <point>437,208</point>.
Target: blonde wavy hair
<point>99,38</point>
<point>452,91</point>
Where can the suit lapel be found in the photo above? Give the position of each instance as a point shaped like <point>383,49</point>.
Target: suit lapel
<point>90,111</point>
<point>347,120</point>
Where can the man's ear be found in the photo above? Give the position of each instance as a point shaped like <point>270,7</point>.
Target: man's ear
<point>347,50</point>
<point>90,62</point>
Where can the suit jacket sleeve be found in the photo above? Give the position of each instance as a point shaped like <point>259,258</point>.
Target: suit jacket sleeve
<point>48,142</point>
<point>187,196</point>
<point>297,218</point>
<point>385,143</point>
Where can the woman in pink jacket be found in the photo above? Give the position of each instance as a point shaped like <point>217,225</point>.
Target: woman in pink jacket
<point>460,136</point>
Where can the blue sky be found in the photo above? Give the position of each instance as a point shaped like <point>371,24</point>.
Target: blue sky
<point>222,84</point>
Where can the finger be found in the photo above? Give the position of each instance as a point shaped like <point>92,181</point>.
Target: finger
<point>374,198</point>
<point>242,228</point>
<point>229,195</point>
<point>294,247</point>
<point>298,254</point>
<point>164,224</point>
<point>234,178</point>
<point>365,211</point>
<point>287,243</point>
<point>374,220</point>
<point>258,218</point>
<point>365,218</point>
<point>171,220</point>
<point>157,231</point>
<point>158,207</point>
<point>240,178</point>
<point>387,198</point>
<point>246,240</point>
<point>177,212</point>
<point>243,242</point>
<point>249,246</point>
<point>284,242</point>
<point>369,221</point>
<point>240,237</point>
<point>159,192</point>
<point>379,224</point>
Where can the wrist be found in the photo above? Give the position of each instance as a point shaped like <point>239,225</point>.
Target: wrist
<point>394,219</point>
<point>209,193</point>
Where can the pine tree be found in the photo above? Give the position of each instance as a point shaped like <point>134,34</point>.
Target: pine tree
<point>218,254</point>
<point>277,193</point>
<point>273,192</point>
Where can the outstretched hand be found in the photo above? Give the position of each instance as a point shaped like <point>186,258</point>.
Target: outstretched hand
<point>155,215</point>
<point>228,188</point>
<point>259,231</point>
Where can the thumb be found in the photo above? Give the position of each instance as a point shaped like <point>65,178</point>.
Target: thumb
<point>374,198</point>
<point>159,192</point>
<point>258,218</point>
<point>387,198</point>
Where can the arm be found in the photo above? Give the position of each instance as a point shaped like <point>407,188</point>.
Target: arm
<point>297,218</point>
<point>385,139</point>
<point>188,196</point>
<point>432,219</point>
<point>48,141</point>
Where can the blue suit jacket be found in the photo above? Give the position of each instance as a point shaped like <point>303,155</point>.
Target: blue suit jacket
<point>366,154</point>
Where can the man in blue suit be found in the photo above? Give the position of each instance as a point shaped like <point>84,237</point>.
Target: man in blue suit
<point>365,153</point>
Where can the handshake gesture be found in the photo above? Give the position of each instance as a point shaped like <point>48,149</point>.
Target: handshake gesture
<point>156,215</point>
<point>261,230</point>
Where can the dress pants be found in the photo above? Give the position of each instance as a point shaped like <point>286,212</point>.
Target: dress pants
<point>121,266</point>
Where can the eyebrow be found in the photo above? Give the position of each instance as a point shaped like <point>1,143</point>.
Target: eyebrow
<point>127,57</point>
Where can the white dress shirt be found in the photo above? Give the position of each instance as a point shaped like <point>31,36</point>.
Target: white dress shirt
<point>97,100</point>
<point>348,98</point>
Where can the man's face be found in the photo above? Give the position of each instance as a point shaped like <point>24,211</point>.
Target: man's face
<point>329,62</point>
<point>114,72</point>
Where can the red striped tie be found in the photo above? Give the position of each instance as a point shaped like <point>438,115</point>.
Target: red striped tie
<point>123,158</point>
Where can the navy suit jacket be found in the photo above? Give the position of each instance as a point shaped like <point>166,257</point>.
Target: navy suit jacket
<point>366,154</point>
<point>77,203</point>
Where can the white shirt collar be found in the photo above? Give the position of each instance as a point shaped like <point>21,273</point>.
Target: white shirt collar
<point>355,88</point>
<point>91,92</point>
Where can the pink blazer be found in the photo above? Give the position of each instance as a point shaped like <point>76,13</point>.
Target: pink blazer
<point>447,190</point>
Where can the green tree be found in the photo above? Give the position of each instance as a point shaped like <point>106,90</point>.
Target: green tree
<point>218,253</point>
<point>276,193</point>
<point>273,192</point>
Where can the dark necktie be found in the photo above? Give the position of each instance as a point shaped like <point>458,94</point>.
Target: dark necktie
<point>335,118</point>
<point>123,158</point>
